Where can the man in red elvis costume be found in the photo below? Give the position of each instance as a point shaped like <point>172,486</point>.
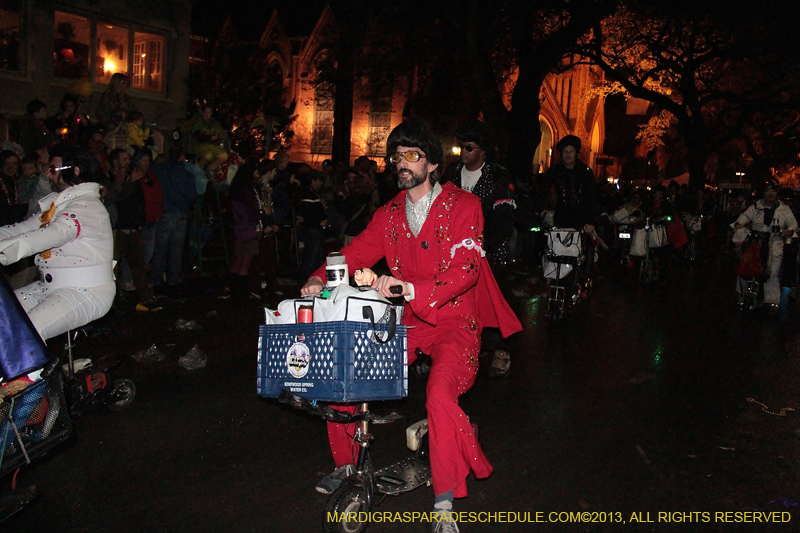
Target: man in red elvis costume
<point>431,236</point>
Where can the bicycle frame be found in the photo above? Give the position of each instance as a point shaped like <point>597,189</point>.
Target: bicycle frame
<point>366,487</point>
<point>649,269</point>
<point>365,476</point>
<point>364,473</point>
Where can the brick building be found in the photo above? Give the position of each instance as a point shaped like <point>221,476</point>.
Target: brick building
<point>46,46</point>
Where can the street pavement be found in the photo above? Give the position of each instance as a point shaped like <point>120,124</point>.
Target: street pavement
<point>647,409</point>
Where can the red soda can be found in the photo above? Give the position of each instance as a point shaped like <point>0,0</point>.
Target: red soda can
<point>305,314</point>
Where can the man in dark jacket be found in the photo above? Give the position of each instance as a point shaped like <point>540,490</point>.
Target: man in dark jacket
<point>475,172</point>
<point>180,194</point>
<point>313,221</point>
<point>576,202</point>
<point>126,196</point>
<point>574,186</point>
<point>35,137</point>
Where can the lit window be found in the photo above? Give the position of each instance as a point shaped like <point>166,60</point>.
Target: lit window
<point>71,53</point>
<point>380,121</point>
<point>75,56</point>
<point>322,137</point>
<point>147,61</point>
<point>10,18</point>
<point>111,52</point>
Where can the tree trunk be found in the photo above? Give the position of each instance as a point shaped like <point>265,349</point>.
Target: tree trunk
<point>490,101</point>
<point>697,153</point>
<point>696,161</point>
<point>523,119</point>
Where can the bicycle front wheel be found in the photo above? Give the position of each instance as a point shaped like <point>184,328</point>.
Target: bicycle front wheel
<point>343,509</point>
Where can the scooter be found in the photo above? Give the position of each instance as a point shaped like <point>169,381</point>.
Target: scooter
<point>88,389</point>
<point>368,486</point>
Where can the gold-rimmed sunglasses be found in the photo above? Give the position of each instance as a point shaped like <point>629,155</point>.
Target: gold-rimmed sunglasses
<point>412,156</point>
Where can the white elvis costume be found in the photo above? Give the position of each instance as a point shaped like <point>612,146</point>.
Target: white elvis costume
<point>75,249</point>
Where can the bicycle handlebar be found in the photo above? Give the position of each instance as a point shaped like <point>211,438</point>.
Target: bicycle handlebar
<point>754,235</point>
<point>546,228</point>
<point>648,221</point>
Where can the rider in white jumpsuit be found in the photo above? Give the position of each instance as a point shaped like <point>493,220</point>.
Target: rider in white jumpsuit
<point>74,246</point>
<point>786,225</point>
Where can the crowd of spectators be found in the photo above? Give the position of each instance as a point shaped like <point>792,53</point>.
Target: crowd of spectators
<point>289,210</point>
<point>149,193</point>
<point>278,207</point>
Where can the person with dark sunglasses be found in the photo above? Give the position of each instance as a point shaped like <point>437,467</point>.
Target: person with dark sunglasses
<point>476,172</point>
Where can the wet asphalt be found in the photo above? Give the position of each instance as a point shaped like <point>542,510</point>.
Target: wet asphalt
<point>633,414</point>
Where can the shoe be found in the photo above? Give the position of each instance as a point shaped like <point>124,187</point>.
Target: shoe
<point>421,367</point>
<point>143,308</point>
<point>332,481</point>
<point>501,362</point>
<point>444,522</point>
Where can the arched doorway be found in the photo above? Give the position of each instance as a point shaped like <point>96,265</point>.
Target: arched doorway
<point>541,159</point>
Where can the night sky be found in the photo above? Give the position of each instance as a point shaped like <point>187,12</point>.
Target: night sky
<point>251,16</point>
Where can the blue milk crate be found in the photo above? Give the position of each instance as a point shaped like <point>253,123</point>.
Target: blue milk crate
<point>332,361</point>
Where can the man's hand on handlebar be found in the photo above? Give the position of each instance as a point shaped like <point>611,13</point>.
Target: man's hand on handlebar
<point>384,285</point>
<point>312,286</point>
<point>588,229</point>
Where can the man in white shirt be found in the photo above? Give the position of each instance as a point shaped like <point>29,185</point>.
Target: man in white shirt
<point>492,183</point>
<point>74,248</point>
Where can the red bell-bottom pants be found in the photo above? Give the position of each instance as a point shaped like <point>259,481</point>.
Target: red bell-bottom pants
<point>454,346</point>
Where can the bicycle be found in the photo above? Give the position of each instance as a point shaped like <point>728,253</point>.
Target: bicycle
<point>654,233</point>
<point>624,237</point>
<point>563,255</point>
<point>694,226</point>
<point>366,487</point>
<point>750,271</point>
